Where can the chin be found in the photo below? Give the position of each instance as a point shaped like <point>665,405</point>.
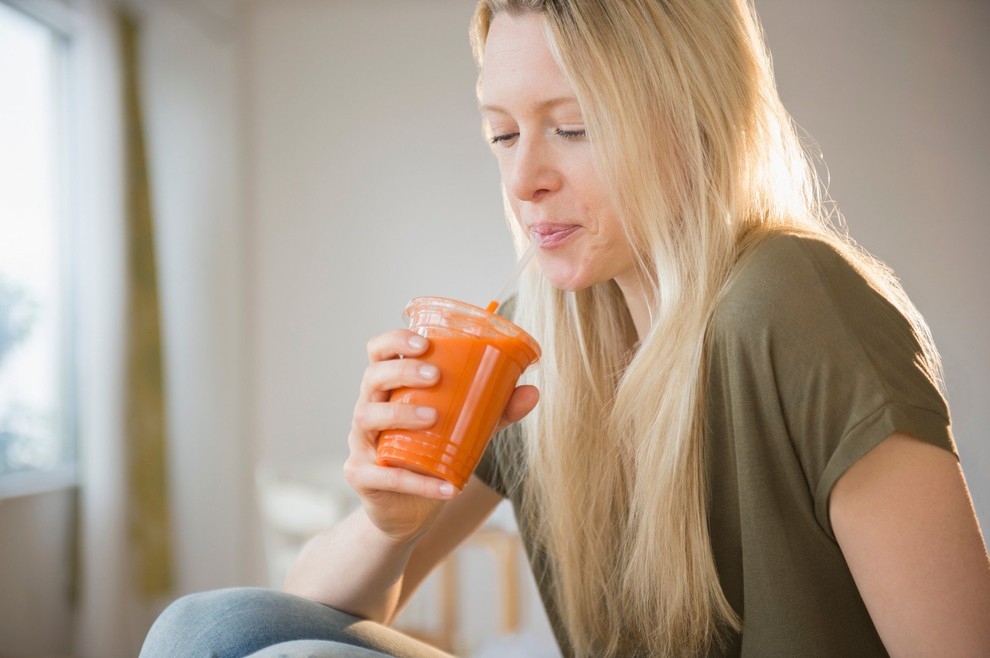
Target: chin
<point>567,280</point>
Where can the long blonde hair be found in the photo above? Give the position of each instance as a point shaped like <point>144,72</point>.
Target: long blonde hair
<point>702,162</point>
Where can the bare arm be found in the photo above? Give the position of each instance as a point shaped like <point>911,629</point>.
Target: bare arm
<point>369,564</point>
<point>352,567</point>
<point>905,522</point>
<point>356,568</point>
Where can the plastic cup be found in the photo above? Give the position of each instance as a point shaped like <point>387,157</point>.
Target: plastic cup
<point>481,356</point>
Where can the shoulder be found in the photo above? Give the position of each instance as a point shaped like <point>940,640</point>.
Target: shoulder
<point>813,320</point>
<point>784,274</point>
<point>803,288</point>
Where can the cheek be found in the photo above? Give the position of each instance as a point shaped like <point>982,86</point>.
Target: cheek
<point>516,209</point>
<point>593,190</point>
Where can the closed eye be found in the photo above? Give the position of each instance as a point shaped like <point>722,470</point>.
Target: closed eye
<point>571,134</point>
<point>501,139</point>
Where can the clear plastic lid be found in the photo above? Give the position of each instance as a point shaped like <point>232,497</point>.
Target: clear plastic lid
<point>462,318</point>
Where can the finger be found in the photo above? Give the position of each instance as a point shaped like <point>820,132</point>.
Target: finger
<point>370,478</point>
<point>374,417</point>
<point>399,342</point>
<point>383,376</point>
<point>523,401</point>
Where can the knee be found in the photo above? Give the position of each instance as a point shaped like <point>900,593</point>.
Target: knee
<point>203,624</point>
<point>195,610</point>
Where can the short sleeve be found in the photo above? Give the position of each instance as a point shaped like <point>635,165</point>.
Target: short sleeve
<point>839,362</point>
<point>921,423</point>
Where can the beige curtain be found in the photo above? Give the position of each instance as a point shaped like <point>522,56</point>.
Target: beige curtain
<point>148,514</point>
<point>124,538</point>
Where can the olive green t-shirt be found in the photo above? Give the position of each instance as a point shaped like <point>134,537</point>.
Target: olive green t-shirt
<point>808,368</point>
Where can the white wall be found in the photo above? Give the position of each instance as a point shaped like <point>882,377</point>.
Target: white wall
<point>191,98</point>
<point>370,184</point>
<point>35,574</point>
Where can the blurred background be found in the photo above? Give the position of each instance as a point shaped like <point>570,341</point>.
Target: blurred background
<point>208,206</point>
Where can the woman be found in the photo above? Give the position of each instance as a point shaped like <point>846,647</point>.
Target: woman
<point>740,449</point>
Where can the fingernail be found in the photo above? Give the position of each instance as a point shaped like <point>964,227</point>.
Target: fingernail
<point>428,372</point>
<point>447,489</point>
<point>426,413</point>
<point>417,342</point>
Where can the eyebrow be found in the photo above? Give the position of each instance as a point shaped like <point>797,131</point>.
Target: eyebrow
<point>542,105</point>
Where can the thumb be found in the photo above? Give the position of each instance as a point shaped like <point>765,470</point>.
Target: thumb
<point>523,400</point>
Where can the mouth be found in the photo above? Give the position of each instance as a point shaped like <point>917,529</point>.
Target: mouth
<point>551,234</point>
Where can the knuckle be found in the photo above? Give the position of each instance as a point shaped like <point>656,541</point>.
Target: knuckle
<point>350,469</point>
<point>356,474</point>
<point>366,376</point>
<point>378,374</point>
<point>360,417</point>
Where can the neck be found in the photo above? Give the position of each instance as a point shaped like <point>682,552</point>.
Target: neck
<point>634,292</point>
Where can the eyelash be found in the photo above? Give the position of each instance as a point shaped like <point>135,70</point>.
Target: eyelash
<point>566,134</point>
<point>503,138</point>
<point>571,134</point>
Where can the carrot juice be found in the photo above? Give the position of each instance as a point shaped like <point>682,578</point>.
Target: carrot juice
<point>481,357</point>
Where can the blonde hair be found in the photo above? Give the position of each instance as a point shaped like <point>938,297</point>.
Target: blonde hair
<point>703,162</point>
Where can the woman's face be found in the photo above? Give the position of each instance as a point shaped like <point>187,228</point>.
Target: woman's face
<point>548,166</point>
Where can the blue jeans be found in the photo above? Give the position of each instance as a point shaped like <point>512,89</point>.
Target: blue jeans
<point>263,623</point>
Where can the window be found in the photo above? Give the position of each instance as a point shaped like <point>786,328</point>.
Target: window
<point>35,312</point>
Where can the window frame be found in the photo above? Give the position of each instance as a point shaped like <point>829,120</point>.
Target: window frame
<point>59,17</point>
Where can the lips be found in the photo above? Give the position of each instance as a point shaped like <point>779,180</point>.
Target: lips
<point>551,234</point>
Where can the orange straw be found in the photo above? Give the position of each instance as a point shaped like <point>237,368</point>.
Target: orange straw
<point>507,288</point>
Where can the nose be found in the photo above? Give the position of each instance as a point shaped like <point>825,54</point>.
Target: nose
<point>534,172</point>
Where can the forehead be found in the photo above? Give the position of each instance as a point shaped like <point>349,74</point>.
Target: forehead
<point>518,64</point>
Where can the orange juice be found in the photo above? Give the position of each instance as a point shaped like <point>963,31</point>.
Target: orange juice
<point>481,357</point>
